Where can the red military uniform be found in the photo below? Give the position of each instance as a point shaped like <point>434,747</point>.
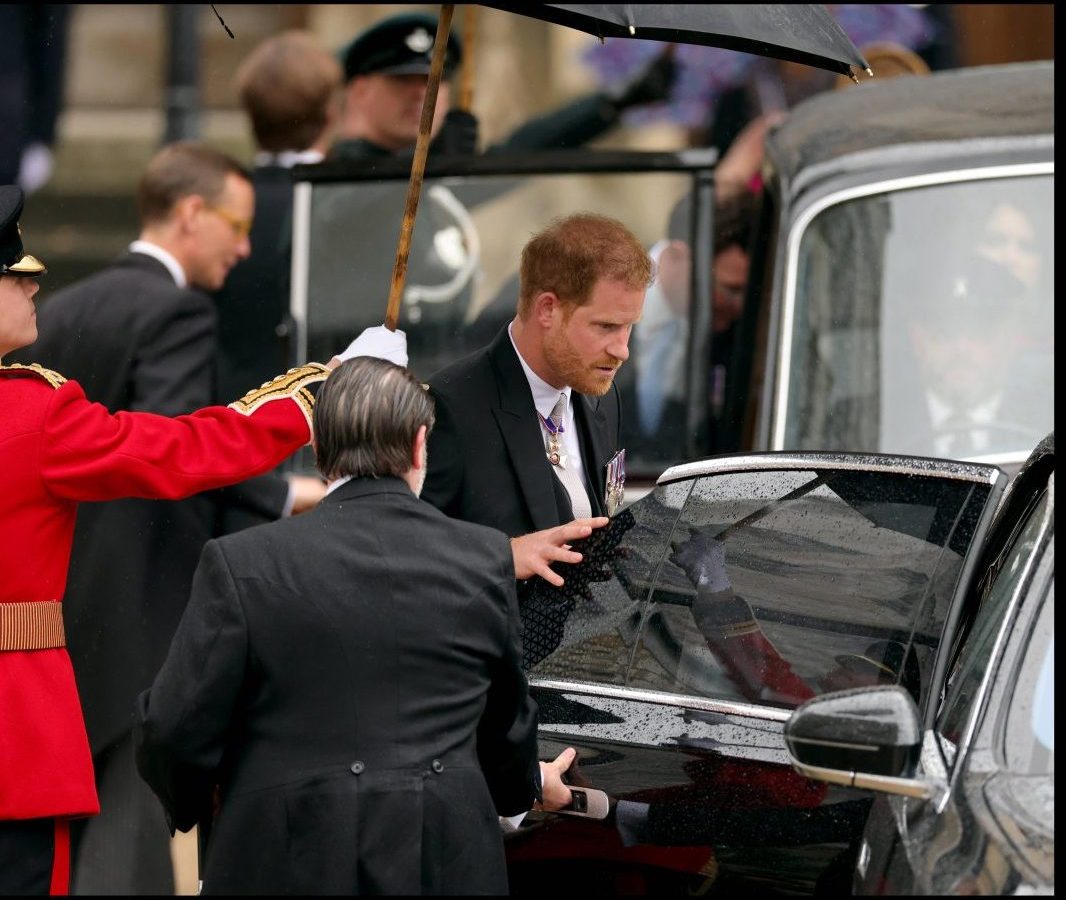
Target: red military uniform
<point>56,449</point>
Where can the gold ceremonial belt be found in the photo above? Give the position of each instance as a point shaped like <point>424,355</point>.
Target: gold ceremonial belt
<point>32,626</point>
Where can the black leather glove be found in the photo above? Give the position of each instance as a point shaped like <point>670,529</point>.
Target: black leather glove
<point>651,84</point>
<point>458,135</point>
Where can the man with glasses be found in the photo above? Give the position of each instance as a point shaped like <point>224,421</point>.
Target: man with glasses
<point>141,335</point>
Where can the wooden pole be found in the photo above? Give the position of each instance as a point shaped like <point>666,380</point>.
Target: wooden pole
<point>466,84</point>
<point>418,167</point>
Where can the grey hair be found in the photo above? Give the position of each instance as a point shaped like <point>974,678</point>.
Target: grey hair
<point>366,417</point>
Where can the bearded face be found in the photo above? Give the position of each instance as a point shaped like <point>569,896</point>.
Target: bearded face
<point>586,344</point>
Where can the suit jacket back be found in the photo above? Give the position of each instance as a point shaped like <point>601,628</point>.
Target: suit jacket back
<point>351,676</point>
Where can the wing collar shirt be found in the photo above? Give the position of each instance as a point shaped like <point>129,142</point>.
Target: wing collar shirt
<point>544,399</point>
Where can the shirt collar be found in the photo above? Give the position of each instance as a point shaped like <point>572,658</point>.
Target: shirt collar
<point>544,395</point>
<point>286,159</point>
<point>165,257</point>
<point>336,483</point>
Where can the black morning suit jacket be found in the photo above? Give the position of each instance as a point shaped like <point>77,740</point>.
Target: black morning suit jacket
<point>351,678</point>
<point>486,452</point>
<point>134,341</point>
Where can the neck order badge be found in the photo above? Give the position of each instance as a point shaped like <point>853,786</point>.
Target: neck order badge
<point>616,483</point>
<point>553,428</point>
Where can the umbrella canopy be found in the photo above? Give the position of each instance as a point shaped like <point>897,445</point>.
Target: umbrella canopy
<point>704,72</point>
<point>799,32</point>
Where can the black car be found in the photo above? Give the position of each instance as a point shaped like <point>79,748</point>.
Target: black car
<point>880,596</point>
<point>966,781</point>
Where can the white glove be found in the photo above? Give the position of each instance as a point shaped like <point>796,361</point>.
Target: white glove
<point>380,342</point>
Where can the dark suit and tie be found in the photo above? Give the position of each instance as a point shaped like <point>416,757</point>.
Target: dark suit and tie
<point>489,463</point>
<point>487,459</point>
<point>494,456</point>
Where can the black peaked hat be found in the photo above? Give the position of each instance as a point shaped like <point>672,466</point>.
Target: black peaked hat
<point>14,260</point>
<point>399,45</point>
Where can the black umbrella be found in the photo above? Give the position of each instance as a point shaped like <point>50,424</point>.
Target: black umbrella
<point>803,33</point>
<point>800,32</point>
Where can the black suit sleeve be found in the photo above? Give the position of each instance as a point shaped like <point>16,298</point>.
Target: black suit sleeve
<point>173,373</point>
<point>444,477</point>
<point>255,501</point>
<point>181,721</point>
<point>507,733</point>
<point>571,125</point>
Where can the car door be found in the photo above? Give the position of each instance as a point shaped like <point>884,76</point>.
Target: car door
<point>702,616</point>
<point>989,828</point>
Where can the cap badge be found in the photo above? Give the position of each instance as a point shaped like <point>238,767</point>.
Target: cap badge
<point>419,40</point>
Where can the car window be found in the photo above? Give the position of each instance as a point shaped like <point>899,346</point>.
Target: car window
<point>963,689</point>
<point>780,585</point>
<point>1030,730</point>
<point>586,631</point>
<point>923,322</point>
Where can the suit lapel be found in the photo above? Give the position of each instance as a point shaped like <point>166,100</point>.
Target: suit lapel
<point>516,418</point>
<point>592,430</point>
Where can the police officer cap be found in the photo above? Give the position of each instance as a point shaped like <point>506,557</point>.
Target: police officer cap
<point>399,45</point>
<point>14,260</point>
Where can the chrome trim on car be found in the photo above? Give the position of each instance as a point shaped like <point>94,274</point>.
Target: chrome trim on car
<point>908,787</point>
<point>777,460</point>
<point>685,701</point>
<point>1021,586</point>
<point>984,173</point>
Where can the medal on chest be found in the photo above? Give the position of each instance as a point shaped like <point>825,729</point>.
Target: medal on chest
<point>553,446</point>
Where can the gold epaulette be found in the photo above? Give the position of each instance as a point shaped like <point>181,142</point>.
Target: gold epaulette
<point>294,384</point>
<point>53,378</point>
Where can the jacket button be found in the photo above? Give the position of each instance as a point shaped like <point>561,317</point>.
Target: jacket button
<point>437,766</point>
<point>357,768</point>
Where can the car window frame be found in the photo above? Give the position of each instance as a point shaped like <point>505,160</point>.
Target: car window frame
<point>955,759</point>
<point>777,387</point>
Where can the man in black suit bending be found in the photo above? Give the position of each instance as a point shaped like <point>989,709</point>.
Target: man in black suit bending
<point>526,426</point>
<point>351,679</point>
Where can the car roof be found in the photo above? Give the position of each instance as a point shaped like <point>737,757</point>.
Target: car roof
<point>1000,107</point>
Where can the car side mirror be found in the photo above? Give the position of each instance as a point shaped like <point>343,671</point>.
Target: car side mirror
<point>868,737</point>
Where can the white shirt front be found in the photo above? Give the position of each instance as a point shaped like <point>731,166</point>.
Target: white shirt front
<point>544,399</point>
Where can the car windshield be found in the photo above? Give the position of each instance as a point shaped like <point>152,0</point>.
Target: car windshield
<point>923,322</point>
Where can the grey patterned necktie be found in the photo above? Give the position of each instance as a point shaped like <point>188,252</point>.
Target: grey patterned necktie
<point>553,446</point>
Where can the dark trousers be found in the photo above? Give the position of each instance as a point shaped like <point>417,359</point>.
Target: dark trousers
<point>125,849</point>
<point>26,851</point>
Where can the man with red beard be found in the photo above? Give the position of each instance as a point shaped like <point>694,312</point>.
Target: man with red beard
<point>528,427</point>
